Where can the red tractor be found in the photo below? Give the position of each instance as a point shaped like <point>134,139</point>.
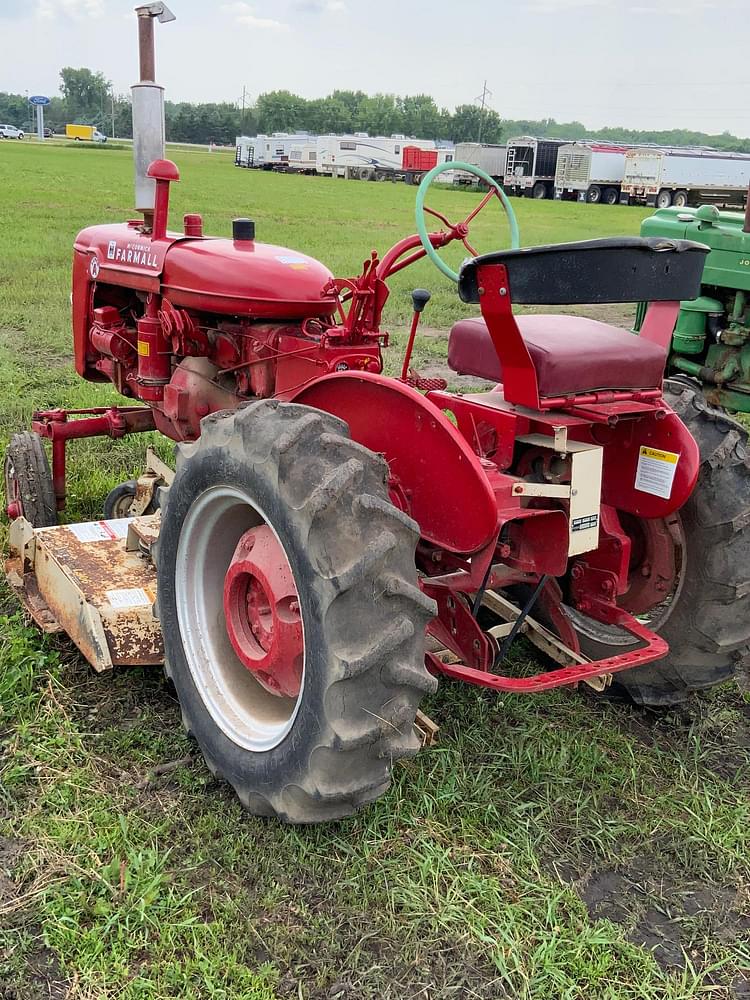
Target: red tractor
<point>335,540</point>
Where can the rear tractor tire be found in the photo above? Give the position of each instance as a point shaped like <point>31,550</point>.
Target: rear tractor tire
<point>29,491</point>
<point>299,668</point>
<point>707,622</point>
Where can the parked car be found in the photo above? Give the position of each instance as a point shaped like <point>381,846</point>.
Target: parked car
<point>10,132</point>
<point>48,133</point>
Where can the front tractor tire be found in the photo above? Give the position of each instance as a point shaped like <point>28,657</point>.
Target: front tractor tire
<point>707,623</point>
<point>29,491</point>
<point>312,736</point>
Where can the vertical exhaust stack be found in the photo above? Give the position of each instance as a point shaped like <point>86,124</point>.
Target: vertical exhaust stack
<point>746,226</point>
<point>148,110</point>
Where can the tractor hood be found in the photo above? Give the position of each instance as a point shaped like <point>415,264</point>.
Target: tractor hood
<point>728,262</point>
<point>245,278</point>
<point>232,277</point>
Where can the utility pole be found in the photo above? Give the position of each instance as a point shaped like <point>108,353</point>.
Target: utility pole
<point>112,95</point>
<point>242,117</point>
<point>482,104</point>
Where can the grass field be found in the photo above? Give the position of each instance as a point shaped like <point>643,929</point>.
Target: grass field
<point>558,847</point>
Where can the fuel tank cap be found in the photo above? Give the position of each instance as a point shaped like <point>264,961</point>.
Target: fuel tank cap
<point>243,230</point>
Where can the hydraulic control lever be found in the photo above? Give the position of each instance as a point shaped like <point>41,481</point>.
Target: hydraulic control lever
<point>419,297</point>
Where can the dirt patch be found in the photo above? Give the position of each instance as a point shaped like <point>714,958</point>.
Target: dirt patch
<point>615,313</point>
<point>42,977</point>
<point>666,916</point>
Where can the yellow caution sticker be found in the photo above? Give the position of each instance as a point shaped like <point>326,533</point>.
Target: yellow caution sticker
<point>143,348</point>
<point>656,471</point>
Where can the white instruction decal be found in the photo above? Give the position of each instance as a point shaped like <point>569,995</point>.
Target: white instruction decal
<point>655,472</point>
<point>101,531</point>
<point>134,597</point>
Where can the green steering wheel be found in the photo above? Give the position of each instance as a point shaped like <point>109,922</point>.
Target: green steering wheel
<point>460,230</point>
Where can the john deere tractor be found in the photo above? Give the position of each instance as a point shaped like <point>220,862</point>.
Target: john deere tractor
<point>711,340</point>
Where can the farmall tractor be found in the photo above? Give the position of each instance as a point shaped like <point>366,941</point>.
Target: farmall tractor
<point>333,540</point>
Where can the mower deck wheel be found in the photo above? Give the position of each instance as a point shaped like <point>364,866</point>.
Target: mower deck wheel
<point>292,618</point>
<point>119,500</point>
<point>29,491</point>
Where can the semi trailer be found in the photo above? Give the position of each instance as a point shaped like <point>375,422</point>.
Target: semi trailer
<point>684,176</point>
<point>530,166</point>
<point>590,172</point>
<point>488,156</point>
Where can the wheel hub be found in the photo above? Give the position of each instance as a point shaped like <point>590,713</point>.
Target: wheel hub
<point>261,607</point>
<point>13,507</point>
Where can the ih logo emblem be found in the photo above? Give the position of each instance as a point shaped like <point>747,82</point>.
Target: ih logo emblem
<point>94,268</point>
<point>111,250</point>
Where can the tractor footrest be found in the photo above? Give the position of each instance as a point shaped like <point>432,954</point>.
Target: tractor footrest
<point>653,648</point>
<point>416,381</point>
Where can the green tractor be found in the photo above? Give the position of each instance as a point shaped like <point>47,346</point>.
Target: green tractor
<point>711,339</point>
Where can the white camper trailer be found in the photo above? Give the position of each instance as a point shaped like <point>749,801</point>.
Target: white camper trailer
<point>364,157</point>
<point>249,150</point>
<point>270,152</point>
<point>303,157</point>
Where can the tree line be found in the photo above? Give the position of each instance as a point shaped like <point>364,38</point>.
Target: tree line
<point>87,97</point>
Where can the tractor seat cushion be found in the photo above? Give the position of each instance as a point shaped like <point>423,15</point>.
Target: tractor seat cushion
<point>571,354</point>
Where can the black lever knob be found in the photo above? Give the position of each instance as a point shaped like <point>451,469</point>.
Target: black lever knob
<point>420,297</point>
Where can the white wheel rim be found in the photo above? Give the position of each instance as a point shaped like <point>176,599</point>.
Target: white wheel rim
<point>246,713</point>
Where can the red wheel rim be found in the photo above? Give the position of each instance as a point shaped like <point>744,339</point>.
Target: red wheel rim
<point>261,607</point>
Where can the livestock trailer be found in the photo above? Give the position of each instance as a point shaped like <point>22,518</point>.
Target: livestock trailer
<point>684,176</point>
<point>530,166</point>
<point>588,171</point>
<point>364,157</point>
<point>488,156</point>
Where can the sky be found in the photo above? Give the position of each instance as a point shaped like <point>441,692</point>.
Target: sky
<point>652,64</point>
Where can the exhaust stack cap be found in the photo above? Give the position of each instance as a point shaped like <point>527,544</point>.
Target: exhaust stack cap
<point>243,230</point>
<point>158,10</point>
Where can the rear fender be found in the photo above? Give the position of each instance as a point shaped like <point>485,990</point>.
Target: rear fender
<point>623,448</point>
<point>446,489</point>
